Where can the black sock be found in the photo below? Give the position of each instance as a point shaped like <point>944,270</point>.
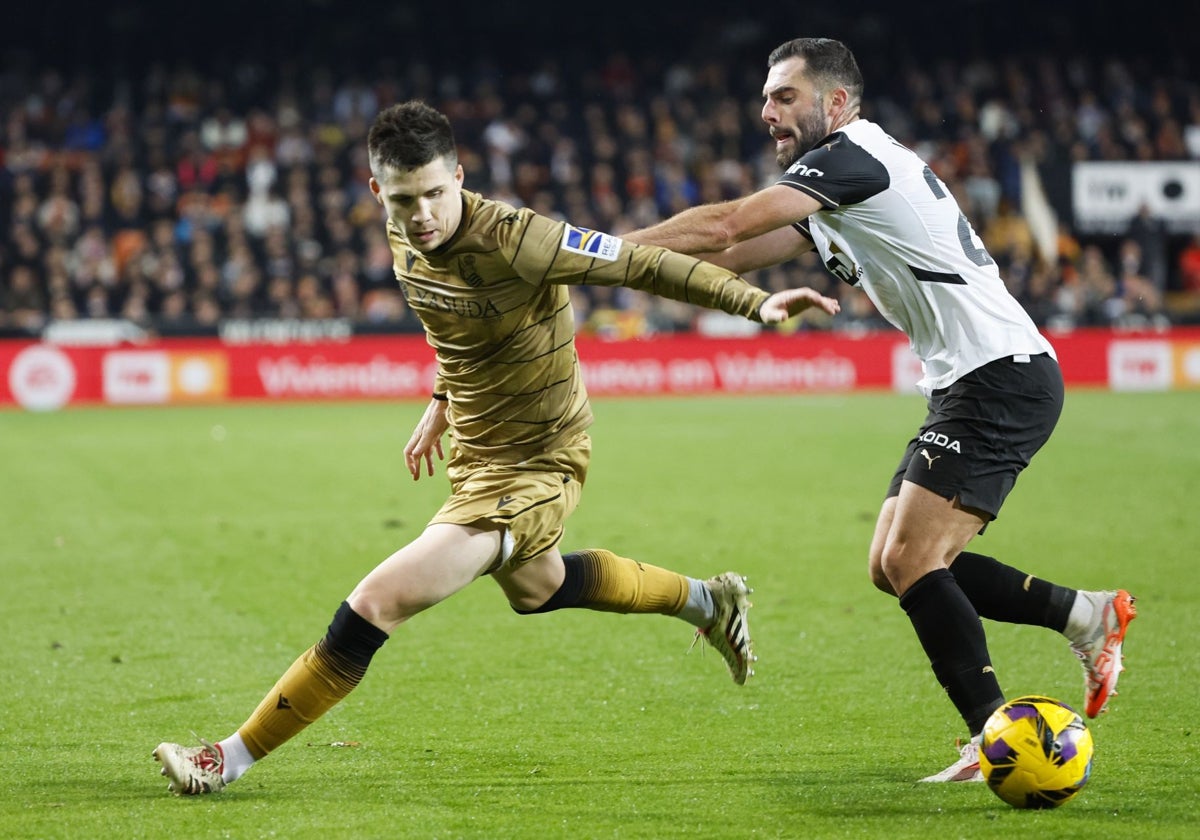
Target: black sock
<point>350,642</point>
<point>953,638</point>
<point>570,593</point>
<point>1002,593</point>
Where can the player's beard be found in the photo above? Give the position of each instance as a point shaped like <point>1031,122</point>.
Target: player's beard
<point>807,132</point>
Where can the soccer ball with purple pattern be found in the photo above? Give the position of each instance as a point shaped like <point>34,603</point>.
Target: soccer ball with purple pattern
<point>1036,752</point>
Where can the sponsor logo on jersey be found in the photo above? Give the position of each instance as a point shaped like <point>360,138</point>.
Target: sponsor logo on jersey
<point>939,439</point>
<point>419,298</point>
<point>591,243</point>
<point>798,168</point>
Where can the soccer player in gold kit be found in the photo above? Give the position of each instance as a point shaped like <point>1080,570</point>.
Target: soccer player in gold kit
<point>489,283</point>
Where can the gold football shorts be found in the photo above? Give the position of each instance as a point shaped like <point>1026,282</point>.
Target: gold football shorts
<point>528,501</point>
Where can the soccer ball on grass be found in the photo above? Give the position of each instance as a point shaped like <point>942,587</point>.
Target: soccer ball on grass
<point>1036,752</point>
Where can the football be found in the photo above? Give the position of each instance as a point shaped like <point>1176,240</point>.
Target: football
<point>1036,752</point>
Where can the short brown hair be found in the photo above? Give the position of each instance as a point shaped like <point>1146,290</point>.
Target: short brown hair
<point>828,63</point>
<point>408,136</point>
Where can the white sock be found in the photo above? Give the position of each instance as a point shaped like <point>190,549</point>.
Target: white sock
<point>1083,615</point>
<point>699,610</point>
<point>237,758</point>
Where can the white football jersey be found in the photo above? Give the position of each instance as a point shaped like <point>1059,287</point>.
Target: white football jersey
<point>890,227</point>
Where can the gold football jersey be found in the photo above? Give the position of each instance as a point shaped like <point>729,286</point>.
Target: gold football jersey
<point>495,308</point>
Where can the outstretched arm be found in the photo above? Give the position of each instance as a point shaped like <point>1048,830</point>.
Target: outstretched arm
<point>773,248</point>
<point>711,228</point>
<point>543,251</point>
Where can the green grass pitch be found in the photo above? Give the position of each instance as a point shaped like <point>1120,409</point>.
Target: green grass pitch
<point>162,567</point>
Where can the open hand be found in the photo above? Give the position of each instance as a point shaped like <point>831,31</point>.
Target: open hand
<point>783,305</point>
<point>427,439</point>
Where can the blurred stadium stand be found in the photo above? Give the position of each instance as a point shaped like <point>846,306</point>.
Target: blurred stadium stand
<point>176,167</point>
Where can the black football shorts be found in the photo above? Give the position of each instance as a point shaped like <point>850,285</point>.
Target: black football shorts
<point>982,430</point>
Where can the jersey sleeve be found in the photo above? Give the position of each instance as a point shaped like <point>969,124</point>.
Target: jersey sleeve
<point>837,172</point>
<point>548,252</point>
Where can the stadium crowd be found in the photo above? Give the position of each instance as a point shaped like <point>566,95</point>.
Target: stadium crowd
<point>180,197</point>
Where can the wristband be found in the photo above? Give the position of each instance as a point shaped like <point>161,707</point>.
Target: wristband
<point>440,397</point>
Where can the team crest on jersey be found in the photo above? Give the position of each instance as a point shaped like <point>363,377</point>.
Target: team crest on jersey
<point>591,243</point>
<point>468,271</point>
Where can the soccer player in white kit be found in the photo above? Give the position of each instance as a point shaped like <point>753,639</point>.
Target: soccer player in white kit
<point>881,220</point>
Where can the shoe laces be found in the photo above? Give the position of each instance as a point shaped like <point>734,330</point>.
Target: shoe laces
<point>210,757</point>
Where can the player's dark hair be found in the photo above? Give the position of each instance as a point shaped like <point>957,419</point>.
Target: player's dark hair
<point>828,63</point>
<point>408,136</point>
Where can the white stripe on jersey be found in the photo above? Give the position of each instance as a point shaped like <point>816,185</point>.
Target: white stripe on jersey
<point>892,228</point>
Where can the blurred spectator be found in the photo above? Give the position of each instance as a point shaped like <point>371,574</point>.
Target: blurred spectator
<point>1092,300</point>
<point>1140,299</point>
<point>1008,237</point>
<point>24,305</point>
<point>1189,265</point>
<point>1150,234</point>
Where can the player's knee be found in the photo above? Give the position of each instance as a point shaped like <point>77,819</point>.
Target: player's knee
<point>878,577</point>
<point>881,581</point>
<point>527,603</point>
<point>892,567</point>
<point>379,608</point>
<point>361,600</point>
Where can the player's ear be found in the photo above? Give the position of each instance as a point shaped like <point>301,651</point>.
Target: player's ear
<point>375,189</point>
<point>839,97</point>
<point>458,175</point>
